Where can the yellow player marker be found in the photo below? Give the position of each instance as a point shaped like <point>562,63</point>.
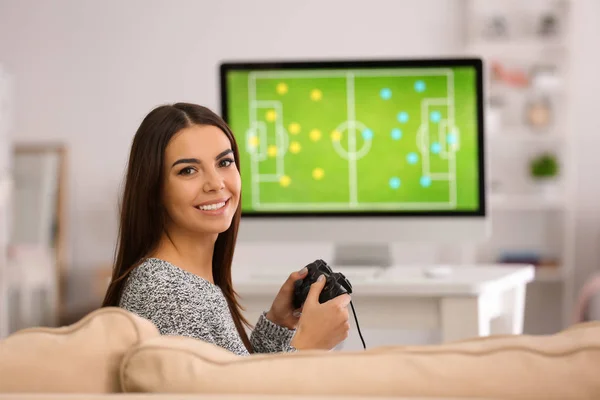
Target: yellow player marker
<point>294,128</point>
<point>253,141</point>
<point>271,115</point>
<point>285,181</point>
<point>318,173</point>
<point>315,135</point>
<point>316,95</point>
<point>282,88</point>
<point>272,150</point>
<point>295,147</point>
<point>336,136</point>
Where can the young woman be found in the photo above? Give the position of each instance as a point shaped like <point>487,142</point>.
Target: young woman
<point>179,220</point>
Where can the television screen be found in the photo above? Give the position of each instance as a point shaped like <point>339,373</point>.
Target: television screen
<point>395,137</point>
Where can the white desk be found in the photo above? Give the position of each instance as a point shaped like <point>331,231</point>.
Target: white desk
<point>474,301</point>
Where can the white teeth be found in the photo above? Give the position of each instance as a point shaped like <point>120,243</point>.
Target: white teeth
<point>215,206</point>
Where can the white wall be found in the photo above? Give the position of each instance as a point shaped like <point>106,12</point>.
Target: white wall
<point>87,72</point>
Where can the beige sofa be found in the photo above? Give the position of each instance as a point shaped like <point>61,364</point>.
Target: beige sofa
<point>112,353</point>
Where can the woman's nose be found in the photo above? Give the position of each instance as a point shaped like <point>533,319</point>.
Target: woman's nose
<point>214,181</point>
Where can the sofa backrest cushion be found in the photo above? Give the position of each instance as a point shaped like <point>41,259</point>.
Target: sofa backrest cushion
<point>83,357</point>
<point>561,366</point>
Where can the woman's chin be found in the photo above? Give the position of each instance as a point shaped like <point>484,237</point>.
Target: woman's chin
<point>214,228</point>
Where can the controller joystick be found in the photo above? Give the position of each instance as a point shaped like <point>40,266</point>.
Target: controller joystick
<point>336,283</point>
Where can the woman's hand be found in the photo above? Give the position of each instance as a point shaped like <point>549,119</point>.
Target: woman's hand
<point>322,326</point>
<point>282,310</point>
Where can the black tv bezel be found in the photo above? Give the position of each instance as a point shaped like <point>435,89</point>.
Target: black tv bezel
<point>475,63</point>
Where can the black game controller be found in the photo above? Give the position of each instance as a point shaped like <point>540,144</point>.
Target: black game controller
<point>336,283</point>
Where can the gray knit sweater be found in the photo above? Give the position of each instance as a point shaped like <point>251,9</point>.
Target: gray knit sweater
<point>181,303</point>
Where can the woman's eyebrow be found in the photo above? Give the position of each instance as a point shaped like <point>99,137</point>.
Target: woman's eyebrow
<point>186,161</point>
<point>196,161</point>
<point>223,153</point>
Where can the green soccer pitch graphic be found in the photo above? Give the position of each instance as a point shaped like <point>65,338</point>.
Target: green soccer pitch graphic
<point>356,140</point>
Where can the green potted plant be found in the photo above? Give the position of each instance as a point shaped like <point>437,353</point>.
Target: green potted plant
<point>544,170</point>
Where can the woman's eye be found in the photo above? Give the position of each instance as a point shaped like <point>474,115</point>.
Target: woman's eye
<point>186,171</point>
<point>226,162</point>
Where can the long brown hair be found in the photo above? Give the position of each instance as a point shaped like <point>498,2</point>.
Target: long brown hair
<point>142,214</point>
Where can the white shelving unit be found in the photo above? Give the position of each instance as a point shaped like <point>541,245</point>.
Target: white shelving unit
<point>5,196</point>
<point>525,48</point>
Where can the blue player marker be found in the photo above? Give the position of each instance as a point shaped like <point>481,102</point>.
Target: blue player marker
<point>402,117</point>
<point>386,93</point>
<point>412,158</point>
<point>436,148</point>
<point>367,134</point>
<point>435,116</point>
<point>395,182</point>
<point>451,138</point>
<point>396,134</point>
<point>425,181</point>
<point>420,86</point>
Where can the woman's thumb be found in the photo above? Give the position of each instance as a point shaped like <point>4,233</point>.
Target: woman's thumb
<point>315,289</point>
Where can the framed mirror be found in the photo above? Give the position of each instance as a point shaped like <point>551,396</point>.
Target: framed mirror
<point>38,233</point>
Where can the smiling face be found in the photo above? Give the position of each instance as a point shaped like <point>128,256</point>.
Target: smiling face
<point>201,181</point>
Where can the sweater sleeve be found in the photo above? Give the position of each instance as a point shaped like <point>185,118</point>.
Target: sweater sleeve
<point>268,337</point>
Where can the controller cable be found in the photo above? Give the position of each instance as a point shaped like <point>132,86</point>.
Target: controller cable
<point>357,327</point>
